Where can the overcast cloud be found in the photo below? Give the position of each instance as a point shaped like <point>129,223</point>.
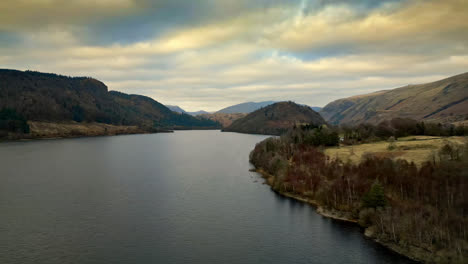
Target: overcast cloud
<point>210,54</point>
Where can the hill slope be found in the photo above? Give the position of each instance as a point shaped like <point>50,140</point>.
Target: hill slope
<point>443,101</point>
<point>275,119</point>
<point>175,108</point>
<point>224,119</point>
<point>245,107</point>
<point>178,109</point>
<point>35,96</point>
<point>316,108</point>
<point>199,112</point>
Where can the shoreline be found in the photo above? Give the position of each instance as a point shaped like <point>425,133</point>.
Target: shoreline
<point>25,139</point>
<point>59,130</point>
<point>52,137</point>
<point>338,215</point>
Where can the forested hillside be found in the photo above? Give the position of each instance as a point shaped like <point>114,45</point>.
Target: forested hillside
<point>417,210</point>
<point>35,96</point>
<point>276,119</point>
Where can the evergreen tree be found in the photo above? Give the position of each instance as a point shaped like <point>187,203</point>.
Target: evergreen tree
<point>375,197</point>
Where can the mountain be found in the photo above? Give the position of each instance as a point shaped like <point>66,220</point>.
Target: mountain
<point>224,119</point>
<point>196,113</point>
<point>245,107</point>
<point>444,101</point>
<point>275,119</point>
<point>315,108</point>
<point>45,97</point>
<point>176,108</point>
<point>249,107</point>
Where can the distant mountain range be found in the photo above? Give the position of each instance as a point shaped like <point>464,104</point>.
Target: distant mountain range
<point>275,119</point>
<point>245,107</point>
<point>196,113</point>
<point>35,96</point>
<point>229,114</point>
<point>177,109</point>
<point>29,96</point>
<point>444,101</point>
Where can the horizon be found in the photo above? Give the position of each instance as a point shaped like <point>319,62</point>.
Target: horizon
<point>246,102</point>
<point>211,55</point>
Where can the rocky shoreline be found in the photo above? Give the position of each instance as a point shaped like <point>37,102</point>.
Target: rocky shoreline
<point>413,253</point>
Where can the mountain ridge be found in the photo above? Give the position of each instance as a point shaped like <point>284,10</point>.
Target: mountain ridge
<point>444,101</point>
<point>180,110</point>
<point>246,107</point>
<point>48,97</point>
<point>176,108</point>
<point>276,119</point>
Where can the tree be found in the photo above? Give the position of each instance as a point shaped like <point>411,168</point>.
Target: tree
<point>391,143</point>
<point>375,197</point>
<point>11,121</point>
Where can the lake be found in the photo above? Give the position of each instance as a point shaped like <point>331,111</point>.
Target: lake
<point>183,197</point>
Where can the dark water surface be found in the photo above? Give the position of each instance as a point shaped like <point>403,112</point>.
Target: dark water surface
<point>185,197</point>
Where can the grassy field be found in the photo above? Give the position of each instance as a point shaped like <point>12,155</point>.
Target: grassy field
<point>414,148</point>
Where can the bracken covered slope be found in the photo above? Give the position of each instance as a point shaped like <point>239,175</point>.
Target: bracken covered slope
<point>276,119</point>
<point>444,101</point>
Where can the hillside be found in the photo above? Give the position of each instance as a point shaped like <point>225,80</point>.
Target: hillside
<point>199,112</point>
<point>275,119</point>
<point>224,119</point>
<point>444,101</point>
<point>149,113</point>
<point>175,108</point>
<point>44,97</point>
<point>178,109</point>
<point>315,108</point>
<point>245,107</point>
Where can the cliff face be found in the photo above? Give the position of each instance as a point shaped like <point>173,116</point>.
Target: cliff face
<point>275,119</point>
<point>444,101</point>
<point>52,98</point>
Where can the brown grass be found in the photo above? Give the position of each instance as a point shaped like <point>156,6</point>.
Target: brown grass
<point>417,149</point>
<point>74,129</point>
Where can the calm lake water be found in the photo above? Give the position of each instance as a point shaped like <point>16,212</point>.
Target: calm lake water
<point>184,197</point>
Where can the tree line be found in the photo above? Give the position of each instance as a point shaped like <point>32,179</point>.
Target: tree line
<point>11,121</point>
<point>398,127</point>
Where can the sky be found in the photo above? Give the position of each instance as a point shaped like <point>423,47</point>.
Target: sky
<point>209,54</point>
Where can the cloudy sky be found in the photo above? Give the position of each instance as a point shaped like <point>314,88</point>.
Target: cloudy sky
<point>208,54</point>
